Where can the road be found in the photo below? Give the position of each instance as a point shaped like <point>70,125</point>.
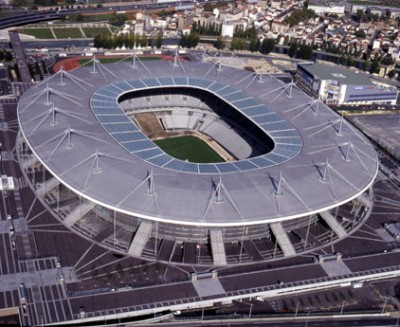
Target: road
<point>284,322</point>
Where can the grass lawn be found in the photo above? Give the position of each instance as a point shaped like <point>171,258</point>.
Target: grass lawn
<point>93,31</point>
<point>189,148</point>
<point>111,60</point>
<point>39,33</point>
<point>65,33</point>
<point>91,17</point>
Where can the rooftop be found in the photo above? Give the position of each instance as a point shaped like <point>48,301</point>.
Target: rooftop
<point>343,75</point>
<point>61,121</point>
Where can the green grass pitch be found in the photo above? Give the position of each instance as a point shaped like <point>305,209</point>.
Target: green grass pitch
<point>65,33</point>
<point>189,148</point>
<point>39,33</point>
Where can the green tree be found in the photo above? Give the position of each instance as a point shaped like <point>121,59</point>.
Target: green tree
<point>219,43</point>
<point>143,41</point>
<point>350,61</point>
<point>360,15</point>
<point>237,43</point>
<point>19,3</point>
<point>374,66</point>
<point>366,65</point>
<point>304,52</point>
<point>292,49</point>
<point>387,60</point>
<point>267,45</point>
<point>253,45</point>
<point>159,40</point>
<point>360,33</point>
<point>299,15</point>
<point>189,41</point>
<point>343,60</point>
<point>391,73</point>
<point>45,2</point>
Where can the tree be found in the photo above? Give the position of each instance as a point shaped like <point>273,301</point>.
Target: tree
<point>286,40</point>
<point>374,66</point>
<point>360,15</point>
<point>237,43</point>
<point>304,51</point>
<point>387,60</point>
<point>189,41</point>
<point>159,40</point>
<point>292,49</point>
<point>267,45</point>
<point>143,41</point>
<point>391,73</point>
<point>366,65</point>
<point>342,59</point>
<point>19,3</point>
<point>8,56</point>
<point>253,45</point>
<point>299,15</point>
<point>219,43</point>
<point>360,33</point>
<point>350,61</point>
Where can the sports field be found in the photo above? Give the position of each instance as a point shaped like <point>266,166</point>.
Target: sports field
<point>189,148</point>
<point>111,60</point>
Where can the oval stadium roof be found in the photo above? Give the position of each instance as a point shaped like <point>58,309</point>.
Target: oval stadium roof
<point>66,121</point>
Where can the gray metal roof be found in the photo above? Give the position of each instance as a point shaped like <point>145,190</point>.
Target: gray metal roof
<point>58,121</point>
<point>105,106</point>
<point>343,75</point>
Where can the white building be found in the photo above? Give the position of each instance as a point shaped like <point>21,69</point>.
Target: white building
<point>327,8</point>
<point>337,85</point>
<point>227,29</point>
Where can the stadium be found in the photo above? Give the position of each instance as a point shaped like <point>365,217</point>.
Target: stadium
<point>193,163</point>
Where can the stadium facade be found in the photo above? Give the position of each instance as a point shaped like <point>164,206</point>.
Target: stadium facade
<point>299,176</point>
